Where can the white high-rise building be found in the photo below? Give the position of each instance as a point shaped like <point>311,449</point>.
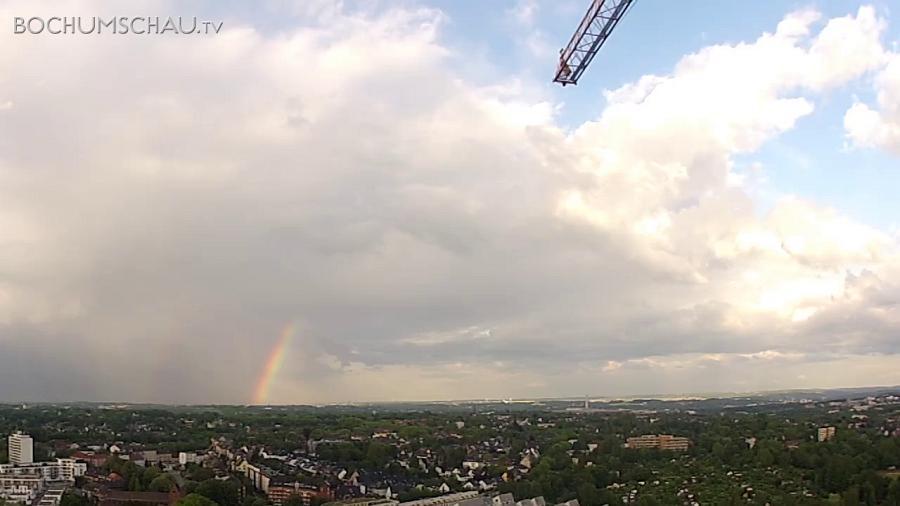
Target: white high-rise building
<point>21,449</point>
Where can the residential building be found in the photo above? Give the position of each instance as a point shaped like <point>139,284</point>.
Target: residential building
<point>456,499</point>
<point>21,487</point>
<point>167,458</point>
<point>825,433</point>
<point>151,457</point>
<point>60,470</point>
<point>443,500</point>
<point>474,499</point>
<point>660,442</point>
<point>52,496</point>
<point>21,449</point>
<point>502,500</point>
<point>364,501</point>
<point>93,459</point>
<point>185,458</point>
<point>24,481</point>
<point>260,477</point>
<point>537,501</point>
<point>279,493</point>
<point>124,498</point>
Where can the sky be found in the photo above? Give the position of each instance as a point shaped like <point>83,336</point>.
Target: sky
<point>383,201</point>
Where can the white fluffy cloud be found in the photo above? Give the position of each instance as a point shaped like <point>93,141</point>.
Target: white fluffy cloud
<point>167,205</point>
<point>868,127</point>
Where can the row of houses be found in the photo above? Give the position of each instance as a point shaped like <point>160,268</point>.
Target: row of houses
<point>278,487</point>
<point>456,499</point>
<point>143,458</point>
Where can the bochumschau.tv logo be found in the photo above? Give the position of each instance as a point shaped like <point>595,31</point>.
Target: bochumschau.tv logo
<point>117,25</point>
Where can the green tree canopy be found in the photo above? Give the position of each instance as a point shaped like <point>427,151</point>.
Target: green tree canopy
<point>196,500</point>
<point>225,493</point>
<point>162,483</point>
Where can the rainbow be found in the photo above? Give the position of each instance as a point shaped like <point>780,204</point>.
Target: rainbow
<point>273,364</point>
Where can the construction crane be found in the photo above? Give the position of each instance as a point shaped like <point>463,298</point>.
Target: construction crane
<point>598,23</point>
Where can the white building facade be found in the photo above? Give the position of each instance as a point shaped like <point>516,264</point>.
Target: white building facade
<point>60,470</point>
<point>23,488</point>
<point>21,449</point>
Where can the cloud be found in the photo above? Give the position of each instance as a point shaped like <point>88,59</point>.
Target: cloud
<point>167,205</point>
<point>525,11</point>
<point>528,36</point>
<point>878,128</point>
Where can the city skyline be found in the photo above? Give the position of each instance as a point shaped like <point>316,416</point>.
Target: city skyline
<point>329,202</point>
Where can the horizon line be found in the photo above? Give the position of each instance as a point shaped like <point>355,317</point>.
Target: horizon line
<point>591,398</point>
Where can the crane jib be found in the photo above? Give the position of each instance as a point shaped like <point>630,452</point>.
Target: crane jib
<point>596,26</point>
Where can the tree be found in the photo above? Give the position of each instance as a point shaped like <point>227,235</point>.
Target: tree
<point>252,500</point>
<point>893,495</point>
<point>451,457</point>
<point>837,473</point>
<point>850,497</point>
<point>719,450</point>
<point>149,475</point>
<point>195,500</point>
<point>199,473</point>
<point>114,464</point>
<point>225,493</point>
<point>588,494</point>
<point>378,454</point>
<point>765,457</point>
<point>72,499</point>
<point>162,483</point>
<point>134,484</point>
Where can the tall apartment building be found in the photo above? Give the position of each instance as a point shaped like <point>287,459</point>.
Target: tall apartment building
<point>21,449</point>
<point>661,442</point>
<point>825,433</point>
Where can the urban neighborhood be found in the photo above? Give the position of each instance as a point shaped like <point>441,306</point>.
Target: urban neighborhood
<point>503,454</point>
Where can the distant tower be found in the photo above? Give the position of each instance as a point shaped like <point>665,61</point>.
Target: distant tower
<point>587,403</point>
<point>21,449</point>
